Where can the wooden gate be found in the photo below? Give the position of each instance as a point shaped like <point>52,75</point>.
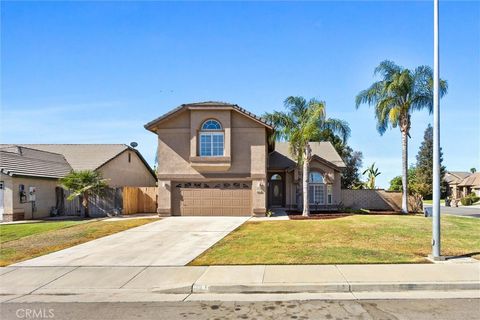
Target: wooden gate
<point>139,200</point>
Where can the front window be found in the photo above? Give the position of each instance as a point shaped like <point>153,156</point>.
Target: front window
<point>316,193</point>
<point>211,139</point>
<point>329,194</point>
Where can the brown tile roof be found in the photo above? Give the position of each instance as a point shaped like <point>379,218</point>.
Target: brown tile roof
<point>282,158</point>
<point>83,156</point>
<point>210,104</point>
<point>22,161</point>
<point>455,177</point>
<point>472,180</point>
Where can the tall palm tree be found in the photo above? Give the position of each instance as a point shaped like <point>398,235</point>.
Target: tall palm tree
<point>84,183</point>
<point>304,121</point>
<point>373,173</point>
<point>400,92</point>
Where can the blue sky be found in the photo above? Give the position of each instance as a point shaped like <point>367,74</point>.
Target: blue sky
<point>96,72</point>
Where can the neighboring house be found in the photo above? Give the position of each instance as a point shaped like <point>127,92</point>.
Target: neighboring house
<point>29,182</point>
<point>120,164</point>
<point>470,184</point>
<point>216,158</point>
<point>460,183</point>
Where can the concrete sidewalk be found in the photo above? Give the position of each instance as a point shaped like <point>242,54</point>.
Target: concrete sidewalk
<point>26,283</point>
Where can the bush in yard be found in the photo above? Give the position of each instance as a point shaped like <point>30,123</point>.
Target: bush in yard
<point>473,197</point>
<point>466,201</point>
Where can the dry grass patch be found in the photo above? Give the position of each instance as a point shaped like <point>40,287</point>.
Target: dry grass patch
<point>353,239</point>
<point>42,238</point>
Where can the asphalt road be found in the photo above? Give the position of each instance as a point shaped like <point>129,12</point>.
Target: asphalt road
<point>460,211</point>
<point>464,309</point>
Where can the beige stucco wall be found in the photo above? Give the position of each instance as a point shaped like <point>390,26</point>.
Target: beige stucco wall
<point>45,196</point>
<point>245,152</point>
<point>376,199</point>
<point>120,172</point>
<point>7,193</point>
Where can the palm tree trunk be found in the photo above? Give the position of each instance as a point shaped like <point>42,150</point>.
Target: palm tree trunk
<point>404,171</point>
<point>306,162</point>
<point>85,205</point>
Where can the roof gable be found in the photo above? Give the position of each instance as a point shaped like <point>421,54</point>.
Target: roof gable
<point>322,151</point>
<point>205,106</point>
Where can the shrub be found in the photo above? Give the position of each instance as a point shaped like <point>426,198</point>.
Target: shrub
<point>473,196</point>
<point>466,201</point>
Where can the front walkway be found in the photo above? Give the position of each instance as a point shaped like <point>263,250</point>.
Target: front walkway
<point>173,241</point>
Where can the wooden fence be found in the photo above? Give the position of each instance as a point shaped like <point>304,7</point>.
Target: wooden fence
<point>139,200</point>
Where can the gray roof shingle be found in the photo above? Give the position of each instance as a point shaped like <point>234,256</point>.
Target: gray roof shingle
<point>282,158</point>
<point>83,156</point>
<point>22,161</point>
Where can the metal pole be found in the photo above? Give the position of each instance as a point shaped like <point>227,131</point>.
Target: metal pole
<point>436,138</point>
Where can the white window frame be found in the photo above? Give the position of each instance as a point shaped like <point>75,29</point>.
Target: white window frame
<point>318,188</point>
<point>329,194</point>
<point>211,133</point>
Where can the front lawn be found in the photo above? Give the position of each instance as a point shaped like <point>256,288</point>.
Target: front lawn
<point>353,239</point>
<point>28,240</point>
<point>442,202</point>
<point>11,232</point>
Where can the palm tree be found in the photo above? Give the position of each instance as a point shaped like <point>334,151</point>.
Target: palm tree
<point>372,174</point>
<point>304,121</point>
<point>400,92</point>
<point>84,183</point>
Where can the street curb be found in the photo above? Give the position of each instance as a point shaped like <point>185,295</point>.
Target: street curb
<point>335,287</point>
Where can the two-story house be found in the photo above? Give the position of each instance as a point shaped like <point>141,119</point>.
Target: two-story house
<point>216,158</point>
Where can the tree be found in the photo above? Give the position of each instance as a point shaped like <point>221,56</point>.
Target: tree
<point>424,172</point>
<point>84,183</point>
<point>473,170</point>
<point>396,184</point>
<point>400,92</point>
<point>351,173</point>
<point>304,121</point>
<point>373,173</point>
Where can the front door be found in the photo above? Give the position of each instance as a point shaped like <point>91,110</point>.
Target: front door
<point>276,190</point>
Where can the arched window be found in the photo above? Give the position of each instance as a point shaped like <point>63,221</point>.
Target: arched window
<point>211,125</point>
<point>276,176</point>
<point>211,139</point>
<point>315,177</point>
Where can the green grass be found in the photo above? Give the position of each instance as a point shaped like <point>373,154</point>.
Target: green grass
<point>28,240</point>
<point>11,232</point>
<point>442,201</point>
<point>353,239</point>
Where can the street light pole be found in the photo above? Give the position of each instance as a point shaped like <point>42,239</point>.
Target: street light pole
<point>436,138</point>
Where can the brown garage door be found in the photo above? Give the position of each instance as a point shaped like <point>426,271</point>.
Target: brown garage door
<point>212,199</point>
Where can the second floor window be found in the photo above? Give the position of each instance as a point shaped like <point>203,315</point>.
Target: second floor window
<point>211,139</point>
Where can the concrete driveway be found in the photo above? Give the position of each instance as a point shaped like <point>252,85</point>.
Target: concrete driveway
<point>173,241</point>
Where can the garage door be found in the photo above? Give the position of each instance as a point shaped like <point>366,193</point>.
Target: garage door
<point>212,199</point>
